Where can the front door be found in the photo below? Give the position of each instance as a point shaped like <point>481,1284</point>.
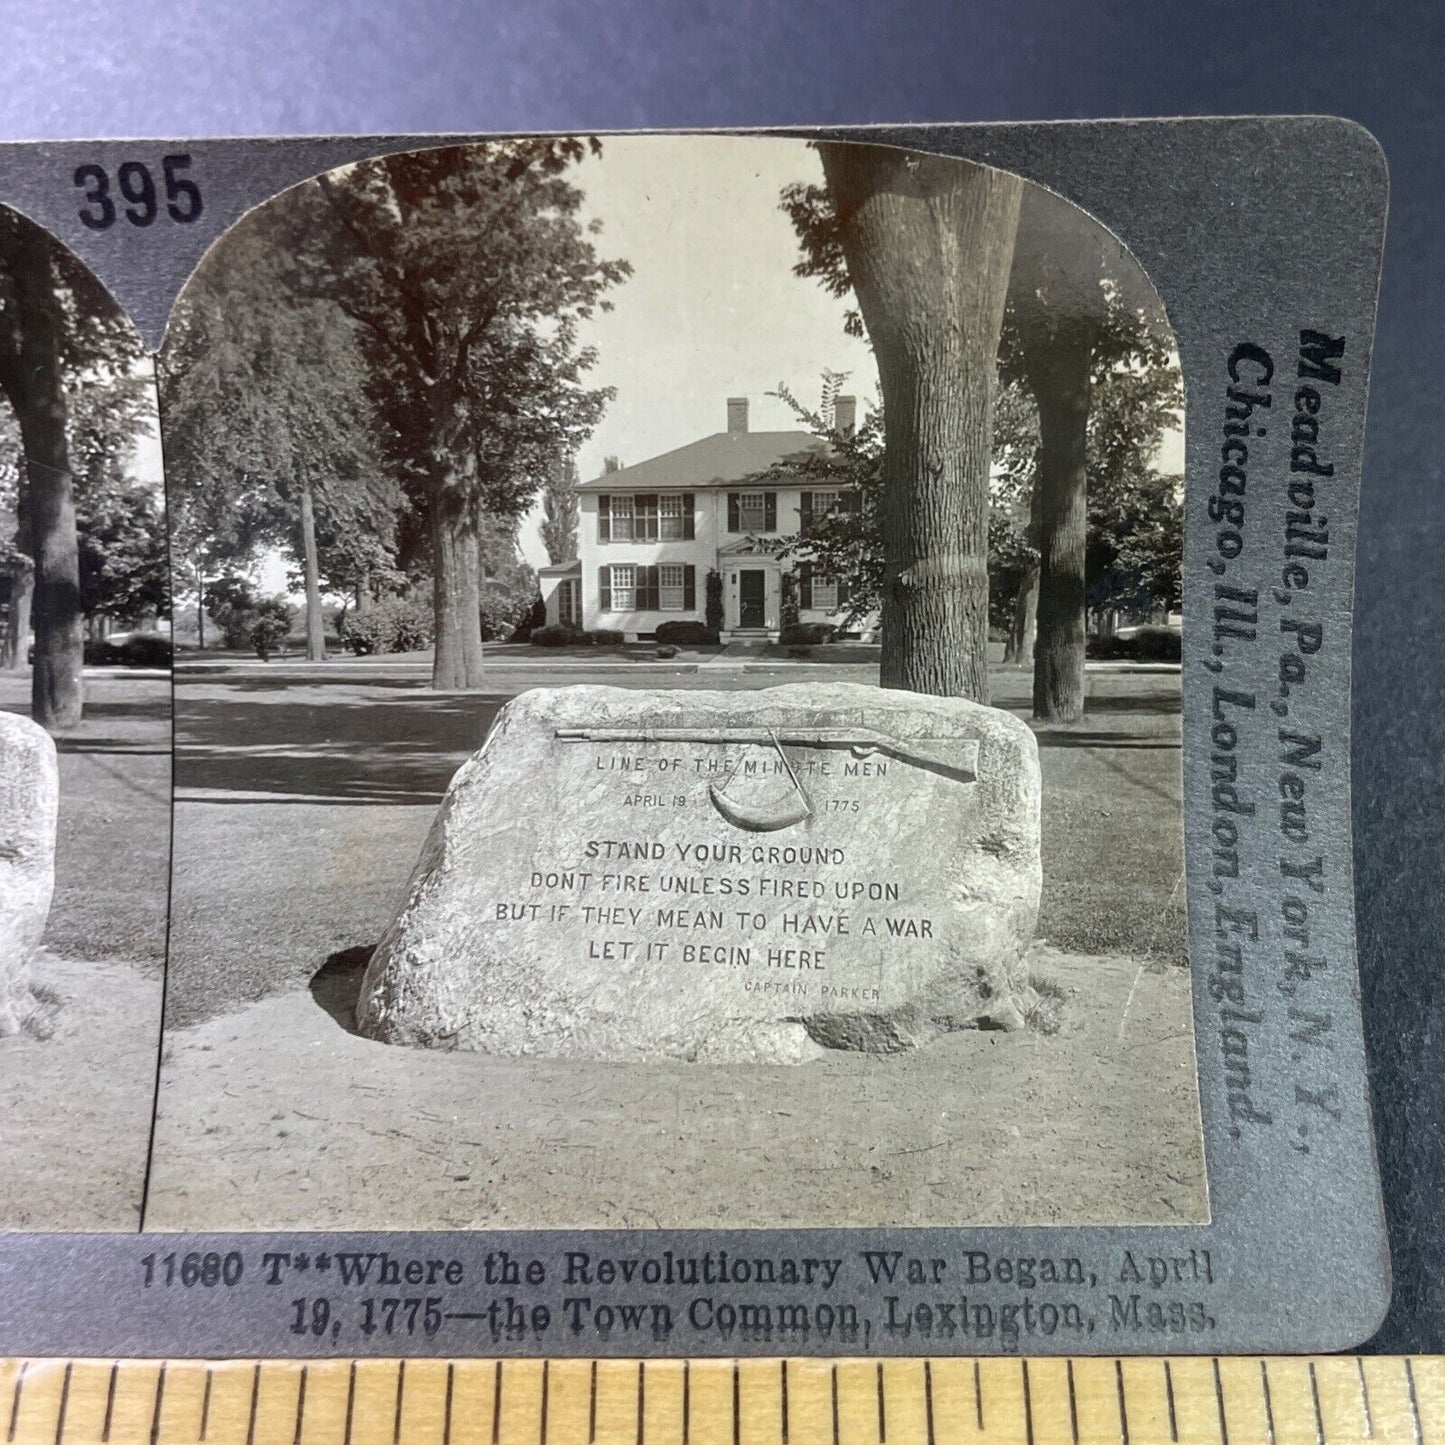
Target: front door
<point>752,592</point>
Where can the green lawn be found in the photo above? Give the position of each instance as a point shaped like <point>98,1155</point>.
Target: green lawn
<point>113,849</point>
<point>302,803</point>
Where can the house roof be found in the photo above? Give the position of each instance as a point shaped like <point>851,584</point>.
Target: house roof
<point>720,460</point>
<point>561,569</point>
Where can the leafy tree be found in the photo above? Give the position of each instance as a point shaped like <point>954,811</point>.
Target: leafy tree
<point>926,243</point>
<point>1078,310</point>
<point>57,324</point>
<point>509,587</point>
<point>559,511</point>
<point>124,571</point>
<point>266,407</point>
<point>468,273</point>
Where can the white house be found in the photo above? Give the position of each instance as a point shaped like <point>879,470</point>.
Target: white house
<point>649,534</point>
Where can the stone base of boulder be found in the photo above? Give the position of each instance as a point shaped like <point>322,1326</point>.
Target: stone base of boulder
<point>29,804</point>
<point>743,876</point>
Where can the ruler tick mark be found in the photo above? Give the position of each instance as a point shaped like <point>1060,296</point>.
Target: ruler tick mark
<point>396,1410</point>
<point>447,1418</point>
<point>928,1398</point>
<point>350,1400</point>
<point>835,1404</point>
<point>300,1405</point>
<point>784,1402</point>
<point>737,1403</point>
<point>15,1399</point>
<point>110,1404</point>
<point>64,1404</point>
<point>1414,1402</point>
<point>156,1405</point>
<point>642,1399</point>
<point>1315,1396</point>
<point>978,1394</point>
<point>882,1409</point>
<point>1169,1397</point>
<point>1123,1409</point>
<point>1029,1405</point>
<point>592,1409</point>
<point>686,1400</point>
<point>546,1389</point>
<point>497,1404</point>
<point>1073,1402</point>
<point>1365,1398</point>
<point>205,1401</point>
<point>1219,1401</point>
<point>1268,1402</point>
<point>255,1397</point>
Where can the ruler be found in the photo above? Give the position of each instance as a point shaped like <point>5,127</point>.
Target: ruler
<point>1186,1401</point>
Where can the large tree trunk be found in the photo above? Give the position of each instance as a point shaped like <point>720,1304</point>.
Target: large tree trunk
<point>456,582</point>
<point>1058,360</point>
<point>17,625</point>
<point>315,623</point>
<point>1019,649</point>
<point>928,243</point>
<point>56,690</point>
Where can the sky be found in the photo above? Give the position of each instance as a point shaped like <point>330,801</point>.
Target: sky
<point>712,308</point>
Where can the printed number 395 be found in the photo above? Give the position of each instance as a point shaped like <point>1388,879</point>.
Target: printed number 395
<point>137,187</point>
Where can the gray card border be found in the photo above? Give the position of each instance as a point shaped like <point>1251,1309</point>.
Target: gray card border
<point>1252,231</point>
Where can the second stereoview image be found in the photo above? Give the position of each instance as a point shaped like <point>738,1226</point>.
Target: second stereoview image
<point>677,703</point>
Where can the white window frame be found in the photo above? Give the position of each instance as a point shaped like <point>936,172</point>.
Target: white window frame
<point>671,595</point>
<point>759,521</point>
<point>825,594</point>
<point>670,518</point>
<point>621,589</point>
<point>622,512</point>
<point>569,611</point>
<point>817,500</point>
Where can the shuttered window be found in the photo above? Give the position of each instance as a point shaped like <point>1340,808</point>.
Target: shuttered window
<point>670,519</point>
<point>752,512</point>
<point>621,519</point>
<point>670,580</point>
<point>624,587</point>
<point>645,517</point>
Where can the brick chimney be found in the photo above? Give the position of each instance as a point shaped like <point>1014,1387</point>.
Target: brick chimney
<point>845,414</point>
<point>737,414</point>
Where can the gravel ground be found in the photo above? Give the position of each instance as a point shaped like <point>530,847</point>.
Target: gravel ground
<point>303,797</point>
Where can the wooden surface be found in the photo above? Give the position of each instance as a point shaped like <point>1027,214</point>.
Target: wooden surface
<point>1192,1401</point>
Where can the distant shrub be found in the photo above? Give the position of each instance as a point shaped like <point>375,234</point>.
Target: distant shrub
<point>714,608</point>
<point>145,649</point>
<point>1145,644</point>
<point>232,603</point>
<point>1109,649</point>
<point>667,650</point>
<point>606,637</point>
<point>806,634</point>
<point>687,633</point>
<point>272,626</point>
<point>559,634</point>
<point>1158,644</point>
<point>390,624</point>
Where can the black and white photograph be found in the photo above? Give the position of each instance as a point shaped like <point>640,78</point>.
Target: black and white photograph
<point>85,743</point>
<point>677,701</point>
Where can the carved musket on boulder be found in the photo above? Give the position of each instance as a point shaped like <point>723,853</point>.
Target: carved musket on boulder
<point>861,741</point>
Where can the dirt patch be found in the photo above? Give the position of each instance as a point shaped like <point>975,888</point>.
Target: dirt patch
<point>75,1104</point>
<point>275,1116</point>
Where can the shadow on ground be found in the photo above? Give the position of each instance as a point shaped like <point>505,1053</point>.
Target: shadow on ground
<point>336,985</point>
<point>341,746</point>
